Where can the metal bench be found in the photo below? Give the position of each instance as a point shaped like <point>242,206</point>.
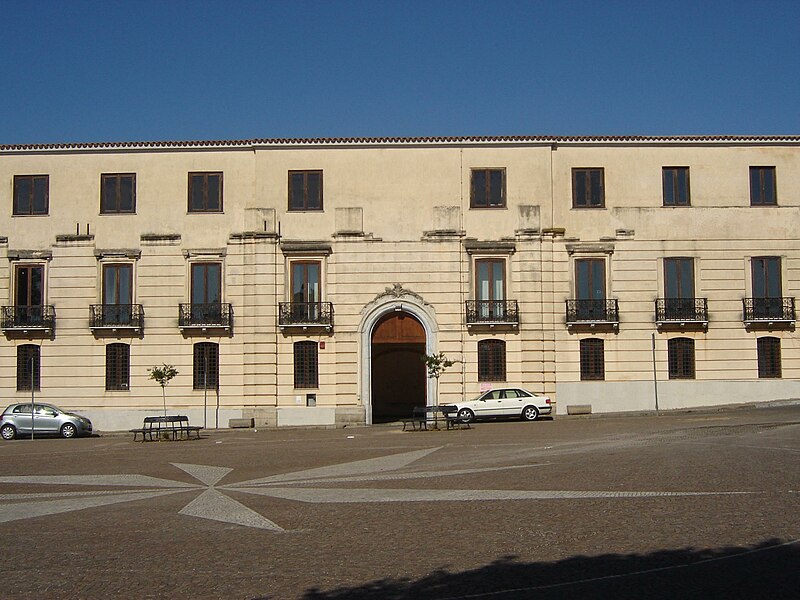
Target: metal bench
<point>420,415</point>
<point>166,427</point>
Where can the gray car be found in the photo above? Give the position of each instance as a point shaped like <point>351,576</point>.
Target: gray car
<point>47,420</point>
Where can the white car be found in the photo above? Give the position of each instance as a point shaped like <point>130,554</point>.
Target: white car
<point>501,402</point>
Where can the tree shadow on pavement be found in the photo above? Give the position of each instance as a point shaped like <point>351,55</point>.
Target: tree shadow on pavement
<point>768,570</point>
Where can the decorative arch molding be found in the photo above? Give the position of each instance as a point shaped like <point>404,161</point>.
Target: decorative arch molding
<point>395,299</point>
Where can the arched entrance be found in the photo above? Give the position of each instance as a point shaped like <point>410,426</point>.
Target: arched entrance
<point>399,379</point>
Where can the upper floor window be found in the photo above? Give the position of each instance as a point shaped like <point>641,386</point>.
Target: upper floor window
<point>680,358</point>
<point>491,360</point>
<point>762,186</point>
<point>766,276</point>
<point>305,190</point>
<point>118,366</point>
<point>592,359</point>
<point>29,285</point>
<point>488,188</point>
<point>588,188</point>
<point>205,192</point>
<point>206,283</point>
<point>675,182</point>
<point>679,278</point>
<point>118,283</point>
<point>31,194</point>
<point>117,193</point>
<point>28,361</point>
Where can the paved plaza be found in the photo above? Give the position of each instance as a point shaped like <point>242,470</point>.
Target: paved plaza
<point>701,504</point>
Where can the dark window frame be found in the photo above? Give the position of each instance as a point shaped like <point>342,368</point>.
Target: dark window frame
<point>769,357</point>
<point>306,365</point>
<point>761,192</point>
<point>114,208</point>
<point>24,354</point>
<point>308,205</point>
<point>491,360</point>
<point>205,366</point>
<point>475,200</point>
<point>592,359</point>
<point>29,288</point>
<point>671,185</point>
<point>582,179</point>
<point>118,367</point>
<point>31,200</point>
<point>198,271</point>
<point>203,177</point>
<point>675,268</point>
<point>681,358</point>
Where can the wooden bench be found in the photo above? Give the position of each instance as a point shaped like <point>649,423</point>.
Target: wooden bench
<point>166,427</point>
<point>420,415</point>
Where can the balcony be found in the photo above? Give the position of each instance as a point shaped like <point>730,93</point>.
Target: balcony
<point>769,312</point>
<point>216,315</point>
<point>29,319</point>
<point>592,313</point>
<point>305,315</point>
<point>492,313</point>
<point>681,313</point>
<point>115,317</point>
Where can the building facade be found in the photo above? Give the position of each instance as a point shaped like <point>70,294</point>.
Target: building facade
<point>299,282</point>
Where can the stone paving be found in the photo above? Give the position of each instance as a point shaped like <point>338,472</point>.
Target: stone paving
<point>680,505</point>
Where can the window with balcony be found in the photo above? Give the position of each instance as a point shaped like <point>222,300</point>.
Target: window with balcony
<point>680,358</point>
<point>590,303</point>
<point>769,357</point>
<point>490,287</point>
<point>675,183</point>
<point>117,193</point>
<point>763,190</point>
<point>767,303</point>
<point>305,190</point>
<point>117,309</point>
<point>487,188</point>
<point>28,367</point>
<point>31,195</point>
<point>206,295</point>
<point>118,366</point>
<point>29,311</point>
<point>205,192</point>
<point>588,188</point>
<point>680,304</point>
<point>306,365</point>
<point>205,368</point>
<point>592,359</point>
<point>306,291</point>
<point>491,360</point>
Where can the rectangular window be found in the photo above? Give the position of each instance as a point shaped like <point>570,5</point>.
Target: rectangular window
<point>117,284</point>
<point>592,359</point>
<point>205,192</point>
<point>769,357</point>
<point>487,188</point>
<point>31,194</point>
<point>588,188</point>
<point>28,367</point>
<point>675,182</point>
<point>305,190</point>
<point>490,287</point>
<point>491,360</point>
<point>29,285</point>
<point>680,358</point>
<point>206,283</point>
<point>205,371</point>
<point>306,365</point>
<point>763,191</point>
<point>306,292</point>
<point>118,366</point>
<point>679,278</point>
<point>767,287</point>
<point>117,193</point>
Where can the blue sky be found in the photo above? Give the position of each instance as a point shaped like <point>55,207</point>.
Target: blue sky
<point>81,71</point>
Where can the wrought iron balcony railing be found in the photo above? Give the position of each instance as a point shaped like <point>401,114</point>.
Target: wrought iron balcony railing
<point>681,310</point>
<point>592,312</point>
<point>116,316</point>
<point>768,310</point>
<point>305,314</point>
<point>41,317</point>
<point>492,312</point>
<point>216,315</point>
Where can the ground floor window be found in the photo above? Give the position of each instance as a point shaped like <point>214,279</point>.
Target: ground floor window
<point>769,357</point>
<point>306,365</point>
<point>28,365</point>
<point>592,359</point>
<point>118,366</point>
<point>680,357</point>
<point>206,366</point>
<point>491,360</point>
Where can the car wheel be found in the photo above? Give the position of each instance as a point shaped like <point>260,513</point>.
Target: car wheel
<point>8,432</point>
<point>68,430</point>
<point>530,413</point>
<point>465,415</point>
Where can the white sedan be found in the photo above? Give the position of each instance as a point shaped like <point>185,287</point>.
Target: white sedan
<point>501,402</point>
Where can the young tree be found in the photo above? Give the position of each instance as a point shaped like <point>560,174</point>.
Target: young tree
<point>163,375</point>
<point>436,365</point>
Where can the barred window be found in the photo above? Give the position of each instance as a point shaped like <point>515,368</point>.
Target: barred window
<point>592,359</point>
<point>28,367</point>
<point>306,365</point>
<point>118,366</point>
<point>206,366</point>
<point>491,360</point>
<point>769,357</point>
<point>680,356</point>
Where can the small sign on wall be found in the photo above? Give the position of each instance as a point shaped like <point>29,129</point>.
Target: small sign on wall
<point>485,386</point>
<point>322,345</point>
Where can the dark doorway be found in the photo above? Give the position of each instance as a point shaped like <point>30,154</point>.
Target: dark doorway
<point>398,370</point>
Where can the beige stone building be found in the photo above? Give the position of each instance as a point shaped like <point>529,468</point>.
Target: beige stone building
<point>300,281</point>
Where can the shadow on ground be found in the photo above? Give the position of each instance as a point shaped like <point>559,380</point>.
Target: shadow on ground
<point>768,570</point>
